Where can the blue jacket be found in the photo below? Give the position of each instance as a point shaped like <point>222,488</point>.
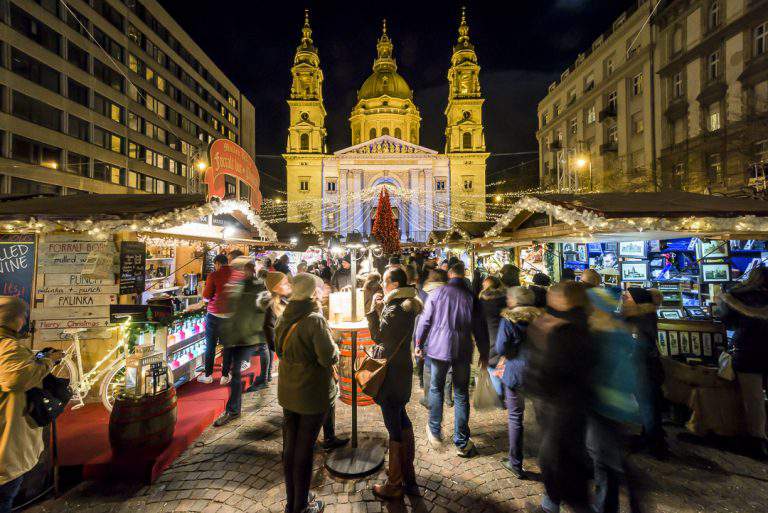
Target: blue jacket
<point>452,315</point>
<point>510,342</point>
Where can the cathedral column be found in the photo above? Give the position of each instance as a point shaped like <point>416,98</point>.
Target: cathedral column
<point>429,186</point>
<point>343,211</point>
<point>357,184</point>
<point>413,175</point>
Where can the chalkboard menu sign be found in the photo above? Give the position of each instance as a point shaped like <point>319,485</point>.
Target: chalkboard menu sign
<point>17,266</point>
<point>133,261</point>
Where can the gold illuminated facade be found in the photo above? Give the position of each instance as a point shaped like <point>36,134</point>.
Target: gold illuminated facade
<point>339,191</point>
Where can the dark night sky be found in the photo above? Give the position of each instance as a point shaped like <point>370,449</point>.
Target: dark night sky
<point>522,46</point>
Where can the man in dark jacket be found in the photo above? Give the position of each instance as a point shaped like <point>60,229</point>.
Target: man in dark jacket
<point>342,278</point>
<point>243,331</point>
<point>559,376</point>
<point>451,317</point>
<point>493,300</point>
<point>745,309</point>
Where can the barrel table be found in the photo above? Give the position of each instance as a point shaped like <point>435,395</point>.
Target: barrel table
<point>348,357</point>
<point>146,422</point>
<point>359,458</point>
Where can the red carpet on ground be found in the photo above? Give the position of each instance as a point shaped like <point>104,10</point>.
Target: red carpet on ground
<point>83,434</point>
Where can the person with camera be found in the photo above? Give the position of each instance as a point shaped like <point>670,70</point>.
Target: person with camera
<point>21,441</point>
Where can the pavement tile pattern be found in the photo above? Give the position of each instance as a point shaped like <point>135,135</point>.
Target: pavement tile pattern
<point>237,468</point>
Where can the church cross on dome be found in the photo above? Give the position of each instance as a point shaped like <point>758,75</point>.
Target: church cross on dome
<point>384,61</point>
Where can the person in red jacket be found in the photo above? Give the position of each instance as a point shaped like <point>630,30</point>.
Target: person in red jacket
<point>213,294</point>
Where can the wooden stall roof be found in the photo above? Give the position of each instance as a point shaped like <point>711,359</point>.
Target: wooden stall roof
<point>620,215</point>
<point>98,207</point>
<point>652,204</point>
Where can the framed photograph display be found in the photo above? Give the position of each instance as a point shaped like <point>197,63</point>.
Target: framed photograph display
<point>569,247</point>
<point>611,247</point>
<point>633,249</point>
<point>715,272</point>
<point>635,270</point>
<point>581,251</point>
<point>670,313</point>
<point>674,344</point>
<point>711,249</point>
<point>663,346</point>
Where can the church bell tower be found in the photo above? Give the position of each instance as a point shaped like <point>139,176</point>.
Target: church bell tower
<point>464,133</point>
<point>306,145</point>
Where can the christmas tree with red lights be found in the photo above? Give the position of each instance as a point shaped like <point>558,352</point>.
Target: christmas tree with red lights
<point>384,227</point>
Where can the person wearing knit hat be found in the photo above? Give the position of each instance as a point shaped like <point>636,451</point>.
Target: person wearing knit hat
<point>273,279</point>
<point>306,389</point>
<point>279,287</point>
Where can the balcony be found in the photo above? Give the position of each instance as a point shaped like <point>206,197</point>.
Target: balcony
<point>609,147</point>
<point>608,112</point>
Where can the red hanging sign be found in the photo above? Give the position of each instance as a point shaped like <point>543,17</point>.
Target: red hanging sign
<point>228,159</point>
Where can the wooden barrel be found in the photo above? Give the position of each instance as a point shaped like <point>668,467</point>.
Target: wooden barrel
<point>364,341</point>
<point>147,423</point>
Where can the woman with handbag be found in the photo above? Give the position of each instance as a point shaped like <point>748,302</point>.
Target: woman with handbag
<point>391,321</point>
<point>306,388</point>
<point>21,440</point>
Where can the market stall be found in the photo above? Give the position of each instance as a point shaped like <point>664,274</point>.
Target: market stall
<point>688,246</point>
<point>113,280</point>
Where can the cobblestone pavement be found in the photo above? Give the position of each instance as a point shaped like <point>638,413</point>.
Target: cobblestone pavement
<point>237,468</point>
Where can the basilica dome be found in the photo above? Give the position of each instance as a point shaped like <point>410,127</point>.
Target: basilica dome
<point>385,83</point>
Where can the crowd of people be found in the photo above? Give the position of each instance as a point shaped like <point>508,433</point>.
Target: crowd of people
<point>582,354</point>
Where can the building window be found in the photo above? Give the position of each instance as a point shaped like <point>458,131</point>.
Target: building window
<point>108,44</point>
<point>304,184</point>
<point>713,19</point>
<point>677,41</point>
<point>637,85</point>
<point>613,134</point>
<point>544,119</point>
<point>713,65</point>
<point>78,128</point>
<point>609,66</point>
<point>230,186</point>
<point>466,140</point>
<point>108,108</point>
<point>35,111</point>
<point>77,164</point>
<point>77,56</point>
<point>304,142</point>
<point>108,140</point>
<point>677,85</point>
<point>330,186</point>
<point>330,219</point>
<point>35,30</point>
<point>637,164</point>
<point>107,75</point>
<point>439,184</point>
<point>678,176</point>
<point>34,70</point>
<point>440,219</point>
<point>573,126</point>
<point>589,82</point>
<point>33,152</point>
<point>613,101</point>
<point>398,133</point>
<point>555,110</point>
<point>372,133</point>
<point>571,96</point>
<point>385,131</point>
<point>761,39</point>
<point>761,151</point>
<point>637,123</point>
<point>715,168</point>
<point>713,117</point>
<point>591,117</point>
<point>468,183</point>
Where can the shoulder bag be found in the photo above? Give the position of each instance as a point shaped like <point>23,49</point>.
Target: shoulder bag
<point>370,372</point>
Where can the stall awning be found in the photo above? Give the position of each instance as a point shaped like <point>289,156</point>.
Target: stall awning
<point>111,213</point>
<point>628,216</point>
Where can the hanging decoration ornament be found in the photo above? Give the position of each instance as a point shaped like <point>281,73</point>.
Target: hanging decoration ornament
<point>384,227</point>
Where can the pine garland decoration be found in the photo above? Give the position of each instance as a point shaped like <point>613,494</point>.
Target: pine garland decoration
<point>384,228</point>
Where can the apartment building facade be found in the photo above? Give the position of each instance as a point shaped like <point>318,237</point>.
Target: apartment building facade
<point>684,107</point>
<point>595,130</point>
<point>108,96</point>
<point>713,95</point>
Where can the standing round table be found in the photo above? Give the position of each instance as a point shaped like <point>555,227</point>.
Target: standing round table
<point>359,458</point>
